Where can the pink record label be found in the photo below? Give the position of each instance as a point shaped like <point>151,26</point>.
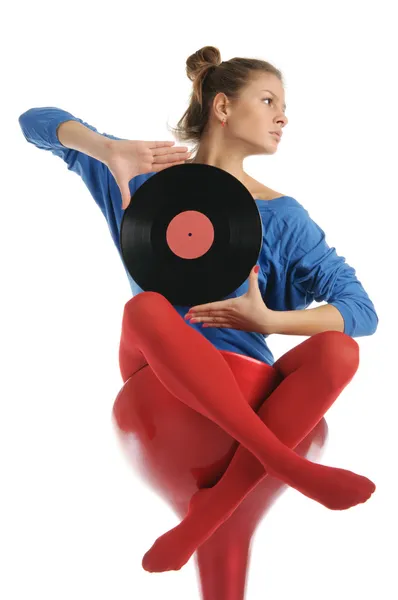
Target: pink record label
<point>190,234</point>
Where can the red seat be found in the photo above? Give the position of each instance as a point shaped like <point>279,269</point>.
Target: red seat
<point>177,451</point>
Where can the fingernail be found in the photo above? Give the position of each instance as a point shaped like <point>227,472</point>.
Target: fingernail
<point>256,269</point>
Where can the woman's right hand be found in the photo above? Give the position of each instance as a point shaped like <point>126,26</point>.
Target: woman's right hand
<point>128,158</point>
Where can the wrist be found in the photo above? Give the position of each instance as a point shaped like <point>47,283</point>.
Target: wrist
<point>105,149</point>
<point>275,322</point>
<point>272,322</point>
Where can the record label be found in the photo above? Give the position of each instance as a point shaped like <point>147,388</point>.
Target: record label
<point>192,233</point>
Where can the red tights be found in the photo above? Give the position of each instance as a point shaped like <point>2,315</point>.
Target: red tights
<point>187,364</point>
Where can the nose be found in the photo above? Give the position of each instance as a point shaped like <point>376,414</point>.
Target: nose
<point>281,122</point>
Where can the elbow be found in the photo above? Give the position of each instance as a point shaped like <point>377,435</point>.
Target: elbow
<point>369,326</point>
<point>360,319</point>
<point>372,318</point>
<point>32,116</point>
<point>22,118</point>
<point>24,122</point>
<point>374,323</point>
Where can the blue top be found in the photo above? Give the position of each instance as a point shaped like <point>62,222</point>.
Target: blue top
<point>296,264</point>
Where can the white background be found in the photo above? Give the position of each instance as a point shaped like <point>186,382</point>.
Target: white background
<point>75,520</point>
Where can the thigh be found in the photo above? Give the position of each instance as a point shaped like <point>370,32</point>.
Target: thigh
<point>131,359</point>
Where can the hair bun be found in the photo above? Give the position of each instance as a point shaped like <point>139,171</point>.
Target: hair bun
<point>198,63</point>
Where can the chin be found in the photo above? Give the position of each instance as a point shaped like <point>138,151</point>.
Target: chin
<point>269,149</point>
<point>260,149</point>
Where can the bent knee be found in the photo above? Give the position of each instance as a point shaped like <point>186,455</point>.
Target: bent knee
<point>149,309</point>
<point>148,303</point>
<point>339,354</point>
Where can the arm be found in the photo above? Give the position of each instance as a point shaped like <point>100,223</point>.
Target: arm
<point>63,134</point>
<point>80,146</point>
<point>76,136</point>
<point>316,272</point>
<point>308,322</point>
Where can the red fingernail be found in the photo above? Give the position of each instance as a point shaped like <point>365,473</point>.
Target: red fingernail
<point>256,269</point>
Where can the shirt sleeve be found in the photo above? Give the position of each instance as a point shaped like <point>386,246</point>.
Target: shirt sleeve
<point>39,127</point>
<point>316,272</point>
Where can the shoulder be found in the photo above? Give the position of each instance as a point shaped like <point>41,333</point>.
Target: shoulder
<point>262,192</point>
<point>290,225</point>
<point>299,233</point>
<point>259,191</point>
<point>267,194</point>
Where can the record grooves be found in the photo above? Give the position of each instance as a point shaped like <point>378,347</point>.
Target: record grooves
<point>192,233</point>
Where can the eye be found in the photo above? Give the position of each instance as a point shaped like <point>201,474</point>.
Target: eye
<point>271,100</point>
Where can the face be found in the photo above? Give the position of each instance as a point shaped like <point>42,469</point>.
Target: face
<point>259,110</point>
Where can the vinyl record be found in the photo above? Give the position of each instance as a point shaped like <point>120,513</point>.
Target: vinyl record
<point>192,233</point>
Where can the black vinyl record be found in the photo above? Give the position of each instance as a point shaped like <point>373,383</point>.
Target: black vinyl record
<point>192,233</point>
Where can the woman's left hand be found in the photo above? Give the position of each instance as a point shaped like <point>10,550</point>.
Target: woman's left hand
<point>247,312</point>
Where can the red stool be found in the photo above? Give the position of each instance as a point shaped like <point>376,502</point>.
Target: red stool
<point>178,451</point>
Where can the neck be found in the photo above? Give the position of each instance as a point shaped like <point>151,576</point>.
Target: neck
<point>217,153</point>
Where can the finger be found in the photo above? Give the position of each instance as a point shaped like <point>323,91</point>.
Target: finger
<point>207,319</point>
<point>126,197</point>
<point>211,306</point>
<point>166,151</point>
<point>167,165</point>
<point>169,158</point>
<point>160,144</point>
<point>220,310</point>
<point>204,314</point>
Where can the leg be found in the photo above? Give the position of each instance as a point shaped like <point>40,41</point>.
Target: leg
<point>224,559</point>
<point>197,374</point>
<point>314,373</point>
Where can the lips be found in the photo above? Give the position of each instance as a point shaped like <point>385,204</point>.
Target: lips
<point>276,133</point>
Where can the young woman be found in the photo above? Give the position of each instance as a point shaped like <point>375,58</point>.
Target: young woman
<point>237,110</point>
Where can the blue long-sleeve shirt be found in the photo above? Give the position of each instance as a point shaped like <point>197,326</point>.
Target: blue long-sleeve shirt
<point>296,264</point>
